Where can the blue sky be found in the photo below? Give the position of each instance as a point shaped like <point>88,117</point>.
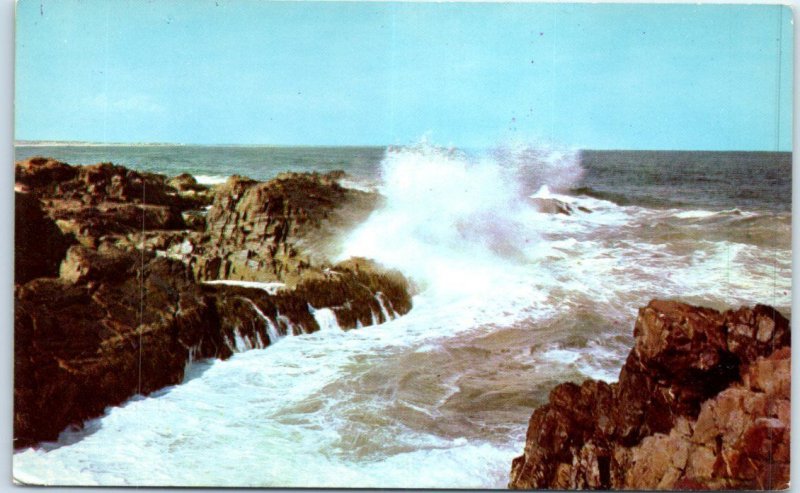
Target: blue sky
<point>299,73</point>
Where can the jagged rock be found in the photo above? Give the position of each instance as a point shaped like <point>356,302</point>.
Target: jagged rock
<point>118,325</point>
<point>555,206</point>
<point>84,264</point>
<point>194,220</point>
<point>552,206</point>
<point>702,402</point>
<point>39,245</point>
<point>38,172</point>
<point>114,218</point>
<point>190,191</point>
<point>107,299</point>
<point>740,439</point>
<point>185,182</point>
<point>95,183</point>
<point>356,291</point>
<point>283,224</point>
<point>105,199</point>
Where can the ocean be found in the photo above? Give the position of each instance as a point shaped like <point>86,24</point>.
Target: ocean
<point>508,302</point>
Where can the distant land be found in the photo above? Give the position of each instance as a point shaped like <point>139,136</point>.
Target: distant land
<point>76,143</point>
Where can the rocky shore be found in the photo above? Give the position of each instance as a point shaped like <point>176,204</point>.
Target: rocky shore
<point>115,276</point>
<point>702,402</point>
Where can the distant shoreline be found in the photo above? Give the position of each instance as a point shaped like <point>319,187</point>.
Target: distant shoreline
<point>25,143</point>
<point>57,143</point>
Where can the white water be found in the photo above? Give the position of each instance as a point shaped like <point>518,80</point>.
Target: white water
<point>271,288</point>
<point>388,313</point>
<point>325,318</point>
<point>289,328</point>
<point>511,302</point>
<point>210,180</point>
<point>272,331</point>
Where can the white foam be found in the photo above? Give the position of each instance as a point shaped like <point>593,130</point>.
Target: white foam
<point>272,331</point>
<point>545,193</point>
<point>289,326</point>
<point>388,313</point>
<point>358,185</point>
<point>455,224</point>
<point>695,214</point>
<point>542,193</point>
<point>210,179</point>
<point>272,288</point>
<point>326,318</point>
<point>561,356</point>
<point>268,407</point>
<point>241,344</point>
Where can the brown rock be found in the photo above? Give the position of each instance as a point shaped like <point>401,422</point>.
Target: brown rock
<point>84,264</point>
<point>702,402</point>
<point>287,223</point>
<point>38,172</point>
<point>185,182</point>
<point>552,206</point>
<point>39,245</point>
<point>126,312</point>
<point>700,465</point>
<point>101,336</point>
<point>768,330</point>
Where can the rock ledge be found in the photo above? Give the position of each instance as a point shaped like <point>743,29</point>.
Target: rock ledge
<point>112,269</point>
<point>702,402</point>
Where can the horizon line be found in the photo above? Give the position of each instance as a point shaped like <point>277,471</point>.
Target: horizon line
<point>83,143</point>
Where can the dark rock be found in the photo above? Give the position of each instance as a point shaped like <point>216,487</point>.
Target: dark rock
<point>39,245</point>
<point>354,296</point>
<point>114,218</point>
<point>120,324</point>
<point>96,183</point>
<point>107,264</point>
<point>285,223</point>
<point>552,206</point>
<point>38,172</point>
<point>83,264</point>
<point>702,400</point>
<point>103,199</point>
<point>555,206</point>
<point>185,182</point>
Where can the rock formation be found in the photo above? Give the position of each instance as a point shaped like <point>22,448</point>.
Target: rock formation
<point>113,325</point>
<point>702,402</point>
<point>550,205</point>
<point>39,245</point>
<point>277,229</point>
<point>110,264</point>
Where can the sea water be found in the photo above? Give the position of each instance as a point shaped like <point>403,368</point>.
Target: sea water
<point>508,302</point>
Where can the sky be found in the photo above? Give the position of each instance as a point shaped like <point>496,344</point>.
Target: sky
<point>593,76</point>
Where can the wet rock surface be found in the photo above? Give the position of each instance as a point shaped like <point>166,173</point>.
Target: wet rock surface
<point>555,206</point>
<point>110,270</point>
<point>702,402</point>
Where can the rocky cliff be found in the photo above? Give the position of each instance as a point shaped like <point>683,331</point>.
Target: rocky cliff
<point>702,402</point>
<point>111,270</point>
<point>276,230</point>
